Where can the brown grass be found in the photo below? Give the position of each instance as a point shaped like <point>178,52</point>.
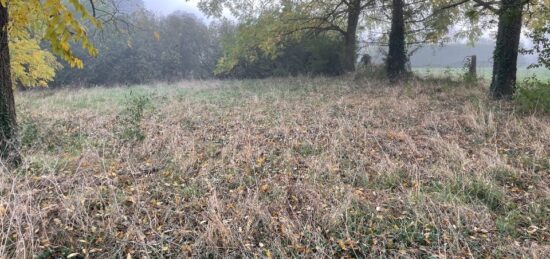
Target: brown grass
<point>278,168</point>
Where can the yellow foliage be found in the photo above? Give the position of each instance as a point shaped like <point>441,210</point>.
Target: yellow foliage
<point>55,21</point>
<point>30,65</point>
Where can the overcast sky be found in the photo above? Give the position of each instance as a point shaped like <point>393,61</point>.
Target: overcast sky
<point>169,6</point>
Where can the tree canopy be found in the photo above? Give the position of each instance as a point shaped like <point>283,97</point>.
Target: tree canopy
<point>33,22</point>
<point>58,22</point>
<point>539,31</point>
<point>154,48</point>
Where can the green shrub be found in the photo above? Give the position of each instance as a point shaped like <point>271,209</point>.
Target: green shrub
<point>128,124</point>
<point>533,95</point>
<point>469,79</point>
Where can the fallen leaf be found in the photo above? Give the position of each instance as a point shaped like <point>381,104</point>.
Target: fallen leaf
<point>2,210</point>
<point>342,245</point>
<point>532,229</point>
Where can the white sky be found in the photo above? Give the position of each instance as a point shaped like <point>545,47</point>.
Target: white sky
<point>169,6</point>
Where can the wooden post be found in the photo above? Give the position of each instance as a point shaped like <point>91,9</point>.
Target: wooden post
<point>472,67</point>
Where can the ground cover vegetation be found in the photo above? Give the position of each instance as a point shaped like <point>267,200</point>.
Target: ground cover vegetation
<point>276,168</point>
<point>272,132</point>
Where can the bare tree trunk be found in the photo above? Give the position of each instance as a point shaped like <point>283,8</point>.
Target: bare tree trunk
<point>397,57</point>
<point>9,152</point>
<point>350,37</point>
<point>505,56</point>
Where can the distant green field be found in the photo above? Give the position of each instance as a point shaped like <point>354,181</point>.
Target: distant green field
<point>484,72</point>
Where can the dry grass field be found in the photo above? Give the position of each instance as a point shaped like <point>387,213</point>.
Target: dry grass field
<point>303,167</point>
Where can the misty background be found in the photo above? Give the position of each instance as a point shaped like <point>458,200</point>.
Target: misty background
<point>171,40</point>
<point>450,55</point>
<point>165,7</point>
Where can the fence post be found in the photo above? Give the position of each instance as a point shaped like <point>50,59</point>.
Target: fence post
<point>472,67</point>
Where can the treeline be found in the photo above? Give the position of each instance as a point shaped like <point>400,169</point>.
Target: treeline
<point>141,47</point>
<point>284,38</point>
<point>144,48</point>
<point>401,25</point>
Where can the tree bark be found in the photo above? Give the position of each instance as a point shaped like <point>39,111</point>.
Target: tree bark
<point>396,62</point>
<point>9,149</point>
<point>350,37</point>
<point>505,56</point>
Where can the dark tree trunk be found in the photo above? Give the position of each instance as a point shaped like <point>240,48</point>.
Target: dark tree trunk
<point>396,62</point>
<point>350,37</point>
<point>505,56</point>
<point>9,153</point>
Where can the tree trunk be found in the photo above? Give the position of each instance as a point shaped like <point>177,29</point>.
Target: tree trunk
<point>396,62</point>
<point>9,152</point>
<point>350,37</point>
<point>505,57</point>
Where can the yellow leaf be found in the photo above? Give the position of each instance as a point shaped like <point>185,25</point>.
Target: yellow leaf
<point>2,210</point>
<point>260,161</point>
<point>264,188</point>
<point>186,248</point>
<point>342,245</point>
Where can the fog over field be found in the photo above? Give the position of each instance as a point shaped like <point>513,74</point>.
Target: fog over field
<point>453,55</point>
<point>450,55</point>
<point>169,6</point>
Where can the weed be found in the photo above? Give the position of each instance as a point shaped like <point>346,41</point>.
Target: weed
<point>536,164</point>
<point>371,72</point>
<point>533,95</point>
<point>492,197</point>
<point>509,178</point>
<point>473,190</point>
<point>29,132</point>
<point>128,122</point>
<point>307,149</point>
<point>192,190</point>
<point>509,224</point>
<point>392,180</point>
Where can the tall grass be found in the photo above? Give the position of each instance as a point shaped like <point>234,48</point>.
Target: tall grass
<point>302,167</point>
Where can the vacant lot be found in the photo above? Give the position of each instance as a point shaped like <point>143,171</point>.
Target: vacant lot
<point>277,168</point>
